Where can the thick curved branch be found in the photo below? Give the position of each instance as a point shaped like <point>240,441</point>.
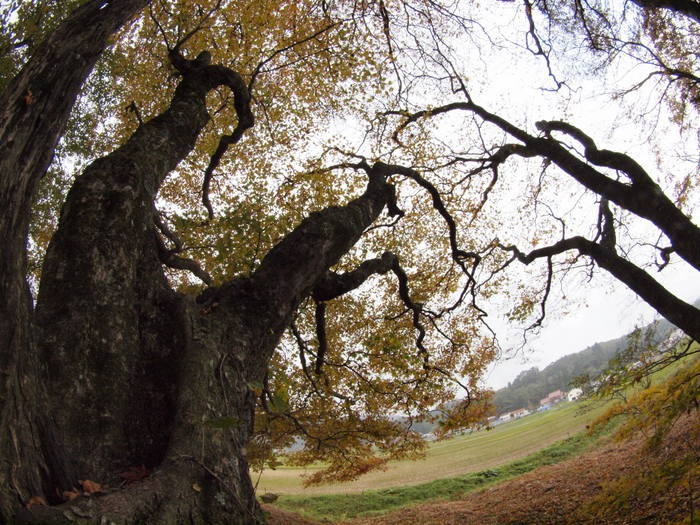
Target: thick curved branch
<point>459,256</point>
<point>172,260</point>
<point>683,315</point>
<point>289,272</point>
<point>296,264</point>
<point>241,96</point>
<point>642,196</point>
<point>246,120</point>
<point>242,99</point>
<point>605,158</point>
<point>332,285</point>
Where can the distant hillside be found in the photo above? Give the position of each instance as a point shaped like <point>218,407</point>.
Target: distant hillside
<point>534,384</point>
<point>531,385</point>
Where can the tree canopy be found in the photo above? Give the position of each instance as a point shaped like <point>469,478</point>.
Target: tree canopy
<point>372,182</point>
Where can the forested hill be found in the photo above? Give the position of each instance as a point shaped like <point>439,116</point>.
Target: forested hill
<point>532,385</point>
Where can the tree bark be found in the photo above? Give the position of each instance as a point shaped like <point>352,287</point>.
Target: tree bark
<point>102,269</point>
<point>34,109</point>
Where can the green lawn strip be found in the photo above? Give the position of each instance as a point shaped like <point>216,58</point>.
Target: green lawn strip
<point>373,502</point>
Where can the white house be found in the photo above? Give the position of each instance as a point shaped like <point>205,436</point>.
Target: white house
<point>574,394</point>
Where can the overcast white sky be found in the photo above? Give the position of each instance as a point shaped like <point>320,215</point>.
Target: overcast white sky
<point>607,313</point>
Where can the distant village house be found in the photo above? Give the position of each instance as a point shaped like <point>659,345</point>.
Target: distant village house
<point>515,414</point>
<point>553,398</point>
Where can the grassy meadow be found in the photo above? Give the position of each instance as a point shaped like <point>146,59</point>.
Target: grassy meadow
<point>457,456</point>
<point>451,469</point>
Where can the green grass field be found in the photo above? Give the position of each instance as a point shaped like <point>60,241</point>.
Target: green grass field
<point>484,458</point>
<point>461,455</point>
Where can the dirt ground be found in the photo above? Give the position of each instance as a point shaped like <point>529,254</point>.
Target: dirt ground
<point>559,494</point>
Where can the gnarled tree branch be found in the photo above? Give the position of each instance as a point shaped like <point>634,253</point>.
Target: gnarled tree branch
<point>642,196</point>
<point>234,81</point>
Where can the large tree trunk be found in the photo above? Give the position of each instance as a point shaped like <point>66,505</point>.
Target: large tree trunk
<point>138,374</point>
<point>135,374</point>
<point>34,110</point>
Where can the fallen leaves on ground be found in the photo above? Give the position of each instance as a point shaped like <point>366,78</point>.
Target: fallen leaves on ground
<point>34,501</point>
<point>70,495</point>
<point>134,474</point>
<point>90,487</point>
